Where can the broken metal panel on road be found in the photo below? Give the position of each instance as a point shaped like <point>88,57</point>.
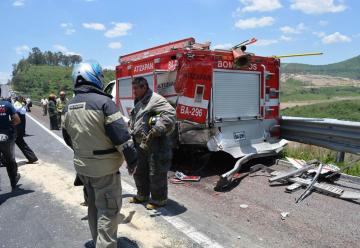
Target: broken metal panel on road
<point>328,133</point>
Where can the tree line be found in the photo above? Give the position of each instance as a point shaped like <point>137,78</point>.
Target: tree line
<point>37,57</point>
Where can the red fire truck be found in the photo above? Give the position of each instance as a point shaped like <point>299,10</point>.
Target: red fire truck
<point>225,100</point>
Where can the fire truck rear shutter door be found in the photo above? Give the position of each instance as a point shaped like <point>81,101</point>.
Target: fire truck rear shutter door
<point>125,88</point>
<point>236,94</point>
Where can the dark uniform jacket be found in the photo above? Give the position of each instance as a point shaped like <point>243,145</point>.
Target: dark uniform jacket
<point>52,108</point>
<point>152,104</point>
<point>96,131</point>
<point>6,110</point>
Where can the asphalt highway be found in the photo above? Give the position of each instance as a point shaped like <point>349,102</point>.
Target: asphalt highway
<point>45,210</point>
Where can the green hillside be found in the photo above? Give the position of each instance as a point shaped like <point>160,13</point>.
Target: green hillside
<point>349,68</point>
<point>342,110</point>
<point>38,81</point>
<point>295,90</point>
<point>42,73</point>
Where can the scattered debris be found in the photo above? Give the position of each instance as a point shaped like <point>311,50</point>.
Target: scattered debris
<point>181,176</point>
<point>303,176</point>
<point>311,185</point>
<point>284,215</point>
<point>297,163</point>
<point>244,206</point>
<point>350,165</point>
<point>292,173</point>
<point>176,181</point>
<point>293,187</point>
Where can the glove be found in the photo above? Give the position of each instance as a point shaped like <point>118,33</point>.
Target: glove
<point>153,133</point>
<point>131,158</point>
<point>144,145</point>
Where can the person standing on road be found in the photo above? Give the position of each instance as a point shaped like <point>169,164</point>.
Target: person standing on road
<point>151,121</point>
<point>52,112</point>
<point>44,103</point>
<point>60,105</point>
<point>20,132</point>
<point>8,120</point>
<point>98,134</point>
<point>28,104</point>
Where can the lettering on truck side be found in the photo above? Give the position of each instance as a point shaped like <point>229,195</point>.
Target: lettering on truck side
<point>144,67</point>
<point>225,64</point>
<point>230,65</point>
<point>192,111</point>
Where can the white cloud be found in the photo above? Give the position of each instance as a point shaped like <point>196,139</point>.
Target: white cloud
<point>323,23</point>
<point>64,50</point>
<point>335,38</point>
<point>286,38</point>
<point>293,30</point>
<point>318,6</point>
<point>223,46</point>
<point>115,45</point>
<point>22,49</point>
<point>266,42</point>
<point>4,77</point>
<point>319,34</point>
<point>94,26</point>
<point>68,28</point>
<point>255,22</point>
<point>259,5</point>
<point>18,3</point>
<point>120,29</point>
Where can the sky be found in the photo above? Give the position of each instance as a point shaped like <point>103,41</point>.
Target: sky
<point>103,30</point>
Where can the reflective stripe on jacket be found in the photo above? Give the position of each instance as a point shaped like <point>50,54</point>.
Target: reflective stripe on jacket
<point>95,130</point>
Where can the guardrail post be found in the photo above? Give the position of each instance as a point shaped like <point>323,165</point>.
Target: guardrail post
<point>340,157</point>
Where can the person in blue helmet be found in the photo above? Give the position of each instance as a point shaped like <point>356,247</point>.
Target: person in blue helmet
<point>97,132</point>
<point>8,120</point>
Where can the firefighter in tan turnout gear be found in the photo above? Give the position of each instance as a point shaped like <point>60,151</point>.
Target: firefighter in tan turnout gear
<point>98,134</point>
<point>151,121</point>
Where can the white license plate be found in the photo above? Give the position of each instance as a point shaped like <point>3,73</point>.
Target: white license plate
<point>239,136</point>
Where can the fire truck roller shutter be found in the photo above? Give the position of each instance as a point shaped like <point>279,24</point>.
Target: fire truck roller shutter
<point>236,94</point>
<point>125,96</point>
<point>125,87</point>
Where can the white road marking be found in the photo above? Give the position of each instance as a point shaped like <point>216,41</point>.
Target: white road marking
<point>187,229</point>
<point>48,131</point>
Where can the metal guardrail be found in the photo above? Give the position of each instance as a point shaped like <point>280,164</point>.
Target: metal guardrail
<point>342,136</point>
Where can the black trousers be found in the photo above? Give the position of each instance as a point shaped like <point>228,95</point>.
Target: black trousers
<point>8,158</point>
<point>54,122</point>
<point>25,149</point>
<point>151,173</point>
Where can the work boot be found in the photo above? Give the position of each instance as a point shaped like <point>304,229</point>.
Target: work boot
<point>32,161</point>
<point>13,184</point>
<point>156,204</point>
<point>138,199</point>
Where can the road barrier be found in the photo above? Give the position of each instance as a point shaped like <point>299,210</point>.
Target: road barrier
<point>342,136</point>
